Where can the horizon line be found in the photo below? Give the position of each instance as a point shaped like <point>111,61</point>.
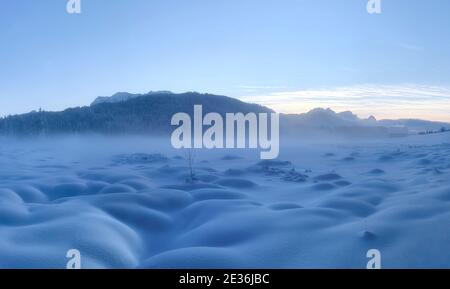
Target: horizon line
<point>243,99</point>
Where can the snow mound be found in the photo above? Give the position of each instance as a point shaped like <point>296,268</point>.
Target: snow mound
<point>316,210</point>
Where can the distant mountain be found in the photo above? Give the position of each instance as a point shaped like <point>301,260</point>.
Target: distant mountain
<point>123,96</point>
<point>151,113</point>
<point>415,125</point>
<point>326,122</point>
<point>320,117</point>
<point>123,113</point>
<point>118,97</point>
<point>321,121</point>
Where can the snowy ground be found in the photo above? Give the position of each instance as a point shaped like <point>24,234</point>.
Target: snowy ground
<point>125,203</point>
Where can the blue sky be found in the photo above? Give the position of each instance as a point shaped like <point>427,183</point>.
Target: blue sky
<point>292,55</point>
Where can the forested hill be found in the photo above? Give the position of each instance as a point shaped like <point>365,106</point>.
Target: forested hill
<point>149,113</point>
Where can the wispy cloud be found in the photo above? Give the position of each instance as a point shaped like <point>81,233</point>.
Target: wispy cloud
<point>411,47</point>
<point>261,88</point>
<point>384,101</point>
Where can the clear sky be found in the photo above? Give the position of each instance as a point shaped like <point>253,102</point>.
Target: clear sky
<point>292,55</point>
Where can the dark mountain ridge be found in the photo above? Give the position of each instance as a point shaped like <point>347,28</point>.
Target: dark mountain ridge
<point>151,113</point>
